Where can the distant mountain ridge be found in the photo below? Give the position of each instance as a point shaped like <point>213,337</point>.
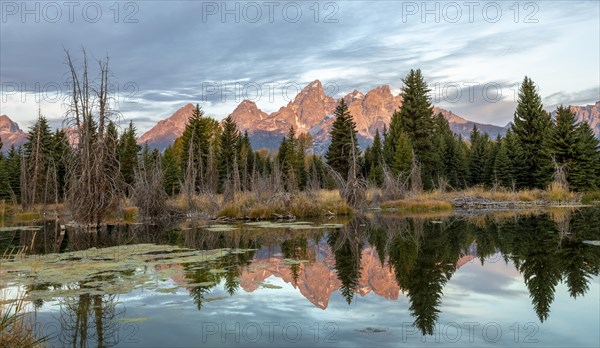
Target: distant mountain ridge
<point>589,114</point>
<point>311,112</point>
<point>10,133</point>
<point>166,131</point>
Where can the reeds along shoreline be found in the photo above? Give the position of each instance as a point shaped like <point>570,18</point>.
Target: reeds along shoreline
<point>319,203</point>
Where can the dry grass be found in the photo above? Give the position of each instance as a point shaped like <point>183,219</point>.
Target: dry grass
<point>422,202</point>
<point>300,205</point>
<point>422,214</point>
<point>130,214</point>
<point>15,212</point>
<point>559,193</point>
<point>26,216</point>
<point>500,195</point>
<point>17,325</point>
<point>556,194</point>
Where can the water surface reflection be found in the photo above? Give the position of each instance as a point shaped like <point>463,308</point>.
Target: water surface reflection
<point>379,279</point>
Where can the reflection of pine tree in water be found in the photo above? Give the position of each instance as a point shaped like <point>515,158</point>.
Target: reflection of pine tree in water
<point>295,249</point>
<point>89,320</point>
<point>544,256</point>
<point>424,264</point>
<point>347,249</point>
<point>581,261</point>
<point>233,264</point>
<point>200,275</point>
<point>377,238</point>
<point>539,264</point>
<point>578,272</point>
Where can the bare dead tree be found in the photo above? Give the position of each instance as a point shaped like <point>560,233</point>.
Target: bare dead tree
<point>93,187</point>
<point>212,177</point>
<point>394,186</point>
<point>353,189</point>
<point>314,184</point>
<point>201,185</point>
<point>26,199</point>
<point>560,176</point>
<point>276,176</point>
<point>148,192</point>
<point>232,183</point>
<point>189,183</point>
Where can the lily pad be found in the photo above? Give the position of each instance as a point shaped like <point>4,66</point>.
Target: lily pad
<point>20,228</point>
<point>133,320</point>
<point>294,262</point>
<point>211,299</point>
<point>167,290</point>
<point>221,228</point>
<point>114,270</point>
<point>271,286</point>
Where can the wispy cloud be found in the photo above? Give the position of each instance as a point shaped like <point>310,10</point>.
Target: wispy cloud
<point>176,49</point>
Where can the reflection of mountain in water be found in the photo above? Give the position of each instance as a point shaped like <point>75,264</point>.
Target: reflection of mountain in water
<point>384,255</point>
<point>318,280</point>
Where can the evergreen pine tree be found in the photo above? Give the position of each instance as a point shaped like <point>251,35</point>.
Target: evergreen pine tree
<point>503,168</point>
<point>343,139</point>
<point>291,161</point>
<point>317,173</point>
<point>517,156</point>
<point>491,152</point>
<point>13,169</point>
<point>390,138</point>
<point>38,151</point>
<point>403,157</point>
<point>416,121</point>
<point>227,151</point>
<point>171,169</point>
<point>531,125</point>
<point>453,161</point>
<point>245,160</point>
<point>127,153</point>
<point>462,168</point>
<point>441,141</point>
<point>61,151</point>
<point>561,140</point>
<point>584,172</point>
<point>477,157</point>
<point>4,188</point>
<point>375,161</point>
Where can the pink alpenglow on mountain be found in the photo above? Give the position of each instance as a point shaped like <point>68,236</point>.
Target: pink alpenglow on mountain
<point>166,131</point>
<point>10,133</point>
<point>312,111</point>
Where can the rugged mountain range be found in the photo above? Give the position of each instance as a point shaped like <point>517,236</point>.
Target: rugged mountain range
<point>10,133</point>
<point>589,114</point>
<point>311,111</point>
<point>167,130</point>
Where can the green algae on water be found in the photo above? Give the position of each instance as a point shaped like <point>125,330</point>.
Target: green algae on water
<point>133,320</point>
<point>113,270</point>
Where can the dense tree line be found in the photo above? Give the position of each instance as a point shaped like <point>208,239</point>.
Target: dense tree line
<point>526,157</point>
<point>212,157</point>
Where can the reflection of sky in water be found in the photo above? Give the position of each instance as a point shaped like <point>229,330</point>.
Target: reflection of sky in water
<point>477,297</point>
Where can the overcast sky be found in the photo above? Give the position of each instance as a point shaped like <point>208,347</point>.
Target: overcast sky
<point>164,54</point>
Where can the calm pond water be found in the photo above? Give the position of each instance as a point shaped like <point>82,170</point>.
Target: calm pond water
<point>502,279</point>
